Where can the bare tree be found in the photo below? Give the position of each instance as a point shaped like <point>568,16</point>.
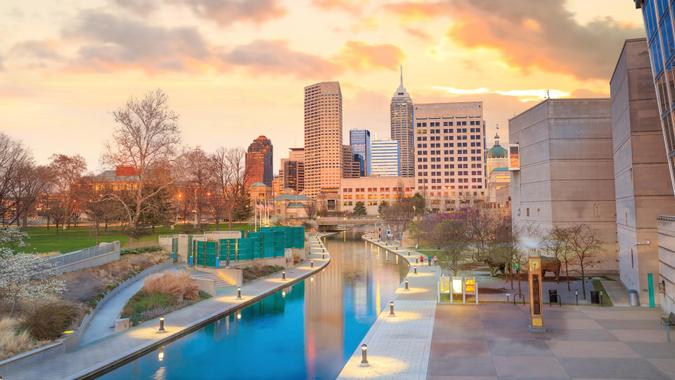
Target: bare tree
<point>230,177</point>
<point>146,138</point>
<point>197,175</point>
<point>557,244</point>
<point>452,238</point>
<point>66,172</point>
<point>13,157</point>
<point>584,244</point>
<point>31,183</point>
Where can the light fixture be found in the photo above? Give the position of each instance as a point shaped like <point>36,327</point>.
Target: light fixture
<point>364,355</point>
<point>391,308</point>
<point>161,325</point>
<point>238,293</point>
<point>283,275</point>
<point>415,270</point>
<point>407,285</point>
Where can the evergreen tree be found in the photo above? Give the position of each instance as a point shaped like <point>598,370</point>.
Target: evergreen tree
<point>359,209</point>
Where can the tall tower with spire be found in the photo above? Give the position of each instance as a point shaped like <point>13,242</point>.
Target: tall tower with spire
<point>401,111</point>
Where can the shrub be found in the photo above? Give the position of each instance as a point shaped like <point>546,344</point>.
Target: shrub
<point>12,341</point>
<point>257,271</point>
<point>136,251</point>
<point>177,284</point>
<point>49,320</point>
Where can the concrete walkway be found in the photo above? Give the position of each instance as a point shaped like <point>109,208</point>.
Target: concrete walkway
<point>114,348</point>
<point>102,323</point>
<point>492,341</point>
<point>399,345</point>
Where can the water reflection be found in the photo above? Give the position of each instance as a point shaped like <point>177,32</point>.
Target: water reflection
<point>309,331</point>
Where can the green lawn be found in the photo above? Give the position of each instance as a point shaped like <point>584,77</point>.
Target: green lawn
<point>41,239</point>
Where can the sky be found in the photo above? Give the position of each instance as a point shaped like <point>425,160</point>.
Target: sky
<point>236,69</point>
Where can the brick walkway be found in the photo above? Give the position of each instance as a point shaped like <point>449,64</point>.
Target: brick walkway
<point>398,346</point>
<point>491,341</point>
<point>115,347</point>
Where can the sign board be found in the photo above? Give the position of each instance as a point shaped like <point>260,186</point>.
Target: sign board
<point>514,157</point>
<point>536,298</point>
<point>457,285</point>
<point>470,284</point>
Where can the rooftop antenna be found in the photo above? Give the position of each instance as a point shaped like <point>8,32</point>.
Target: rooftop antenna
<point>401,68</point>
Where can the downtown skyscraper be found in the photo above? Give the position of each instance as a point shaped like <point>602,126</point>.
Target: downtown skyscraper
<point>259,162</point>
<point>323,139</point>
<point>359,139</point>
<point>402,117</point>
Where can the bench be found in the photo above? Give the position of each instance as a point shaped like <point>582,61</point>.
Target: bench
<point>668,320</point>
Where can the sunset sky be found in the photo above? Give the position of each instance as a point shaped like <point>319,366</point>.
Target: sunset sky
<point>236,69</point>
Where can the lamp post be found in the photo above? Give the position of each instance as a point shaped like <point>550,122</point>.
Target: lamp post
<point>364,355</point>
<point>391,308</point>
<point>283,275</point>
<point>161,325</point>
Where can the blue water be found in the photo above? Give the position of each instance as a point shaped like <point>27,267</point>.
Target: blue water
<point>308,330</point>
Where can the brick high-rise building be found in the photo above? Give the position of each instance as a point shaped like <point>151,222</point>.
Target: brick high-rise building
<point>351,163</point>
<point>259,162</point>
<point>402,115</point>
<point>323,141</point>
<point>292,170</point>
<point>449,154</point>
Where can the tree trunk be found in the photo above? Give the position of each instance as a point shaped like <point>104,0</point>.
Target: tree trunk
<point>567,275</point>
<point>583,278</point>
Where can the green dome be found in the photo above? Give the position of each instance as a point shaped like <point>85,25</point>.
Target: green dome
<point>497,151</point>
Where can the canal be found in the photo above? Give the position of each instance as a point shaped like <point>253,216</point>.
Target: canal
<point>308,330</point>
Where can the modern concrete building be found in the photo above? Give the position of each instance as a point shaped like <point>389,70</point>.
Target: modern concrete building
<point>359,140</point>
<point>642,181</point>
<point>566,174</point>
<point>449,154</point>
<point>259,162</point>
<point>374,190</point>
<point>660,30</point>
<point>401,113</point>
<point>292,171</point>
<point>323,142</point>
<point>385,158</point>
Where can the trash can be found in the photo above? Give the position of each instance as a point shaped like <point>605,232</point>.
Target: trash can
<point>633,298</point>
<point>595,297</point>
<point>552,296</point>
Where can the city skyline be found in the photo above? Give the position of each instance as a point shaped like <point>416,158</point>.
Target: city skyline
<point>71,67</point>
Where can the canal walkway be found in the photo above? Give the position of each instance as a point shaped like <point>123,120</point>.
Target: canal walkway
<point>116,348</point>
<point>399,345</point>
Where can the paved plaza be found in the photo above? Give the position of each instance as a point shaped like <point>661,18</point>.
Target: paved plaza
<point>491,341</point>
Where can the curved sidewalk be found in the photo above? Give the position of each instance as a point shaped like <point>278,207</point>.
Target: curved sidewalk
<point>102,323</point>
<point>87,360</point>
<point>399,346</point>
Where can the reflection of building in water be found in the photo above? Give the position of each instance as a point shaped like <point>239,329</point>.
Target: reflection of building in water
<point>357,273</point>
<point>324,316</point>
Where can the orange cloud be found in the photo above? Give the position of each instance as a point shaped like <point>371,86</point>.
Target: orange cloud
<point>344,5</point>
<point>529,34</point>
<point>357,55</point>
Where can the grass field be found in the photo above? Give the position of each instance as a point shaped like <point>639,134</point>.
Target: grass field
<point>42,240</point>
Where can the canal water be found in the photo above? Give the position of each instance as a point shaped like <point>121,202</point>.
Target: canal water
<point>306,331</point>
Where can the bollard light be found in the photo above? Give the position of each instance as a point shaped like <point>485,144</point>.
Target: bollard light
<point>508,297</point>
<point>417,260</point>
<point>283,275</point>
<point>408,253</point>
<point>238,293</point>
<point>311,264</point>
<point>161,325</point>
<point>160,354</point>
<point>364,355</point>
<point>415,270</point>
<point>576,295</point>
<point>406,285</point>
<point>391,308</point>
<point>323,256</point>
